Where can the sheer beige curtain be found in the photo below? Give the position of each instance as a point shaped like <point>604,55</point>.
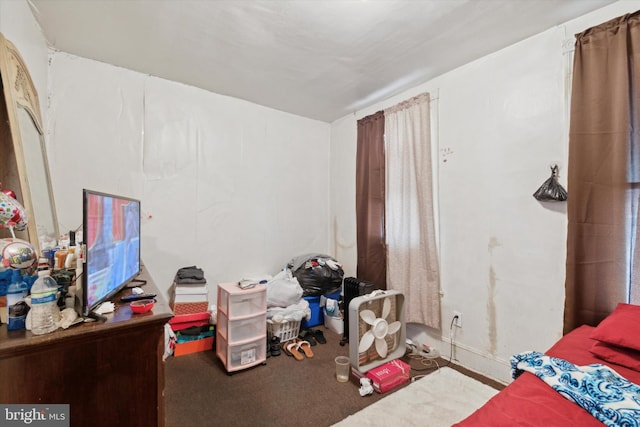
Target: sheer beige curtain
<point>370,201</point>
<point>603,172</point>
<point>412,266</point>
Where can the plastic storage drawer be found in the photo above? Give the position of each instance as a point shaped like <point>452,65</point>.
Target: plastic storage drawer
<point>234,305</point>
<point>249,328</point>
<point>241,356</point>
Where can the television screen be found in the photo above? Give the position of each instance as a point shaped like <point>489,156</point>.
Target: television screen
<point>111,234</point>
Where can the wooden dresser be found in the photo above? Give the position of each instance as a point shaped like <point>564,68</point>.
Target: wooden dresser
<point>110,373</point>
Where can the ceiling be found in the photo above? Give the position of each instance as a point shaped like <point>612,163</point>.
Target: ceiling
<point>320,59</point>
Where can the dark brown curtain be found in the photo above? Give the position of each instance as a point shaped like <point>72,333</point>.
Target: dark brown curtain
<point>370,201</point>
<point>602,170</point>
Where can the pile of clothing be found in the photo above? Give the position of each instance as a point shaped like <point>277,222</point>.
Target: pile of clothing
<point>190,275</point>
<point>284,299</point>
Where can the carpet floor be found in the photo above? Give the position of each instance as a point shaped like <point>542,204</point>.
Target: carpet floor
<point>283,392</point>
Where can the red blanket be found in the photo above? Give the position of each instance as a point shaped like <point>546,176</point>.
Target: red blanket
<point>528,401</point>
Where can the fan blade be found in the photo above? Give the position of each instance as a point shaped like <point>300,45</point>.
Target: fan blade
<point>394,327</point>
<point>365,342</point>
<point>386,308</point>
<point>368,316</point>
<point>381,347</point>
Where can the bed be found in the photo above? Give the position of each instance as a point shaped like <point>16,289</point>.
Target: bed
<point>529,401</point>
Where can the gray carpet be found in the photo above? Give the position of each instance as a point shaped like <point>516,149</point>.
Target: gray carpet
<point>284,392</point>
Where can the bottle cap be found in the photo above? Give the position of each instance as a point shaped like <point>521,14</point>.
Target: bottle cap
<point>43,263</point>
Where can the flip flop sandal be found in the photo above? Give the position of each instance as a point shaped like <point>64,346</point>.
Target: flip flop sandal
<point>306,348</point>
<point>319,336</point>
<point>292,350</point>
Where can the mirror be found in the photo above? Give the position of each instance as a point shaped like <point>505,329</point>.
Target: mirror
<point>24,167</point>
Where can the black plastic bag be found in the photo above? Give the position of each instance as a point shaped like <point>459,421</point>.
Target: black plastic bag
<point>318,274</point>
<point>551,190</point>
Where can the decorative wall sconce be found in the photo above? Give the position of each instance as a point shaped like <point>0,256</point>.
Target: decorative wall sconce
<point>551,190</point>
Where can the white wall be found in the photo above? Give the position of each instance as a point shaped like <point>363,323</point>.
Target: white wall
<point>232,187</point>
<point>18,25</point>
<point>343,193</point>
<point>502,123</point>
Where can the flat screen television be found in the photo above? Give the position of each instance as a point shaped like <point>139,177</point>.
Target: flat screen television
<point>111,236</point>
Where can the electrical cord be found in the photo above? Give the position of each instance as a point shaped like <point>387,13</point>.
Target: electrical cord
<point>451,340</point>
<point>430,362</point>
<point>429,366</point>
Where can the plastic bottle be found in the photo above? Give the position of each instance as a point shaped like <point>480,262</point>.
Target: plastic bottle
<point>45,313</point>
<point>70,260</point>
<point>60,258</point>
<point>17,308</point>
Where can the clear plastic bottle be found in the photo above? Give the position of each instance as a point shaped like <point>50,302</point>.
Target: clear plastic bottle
<point>45,313</point>
<point>17,308</point>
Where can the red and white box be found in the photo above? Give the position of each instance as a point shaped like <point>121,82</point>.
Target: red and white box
<point>187,314</point>
<point>389,375</point>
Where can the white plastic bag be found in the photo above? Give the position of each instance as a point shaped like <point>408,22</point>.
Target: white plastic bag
<point>283,290</point>
<point>169,342</point>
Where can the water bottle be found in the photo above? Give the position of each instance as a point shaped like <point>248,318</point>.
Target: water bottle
<point>16,306</point>
<point>45,313</point>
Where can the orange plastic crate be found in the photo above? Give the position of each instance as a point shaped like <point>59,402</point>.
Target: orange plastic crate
<point>195,346</point>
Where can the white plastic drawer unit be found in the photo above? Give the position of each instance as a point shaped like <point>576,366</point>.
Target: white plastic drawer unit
<point>246,302</point>
<point>241,330</point>
<point>241,356</point>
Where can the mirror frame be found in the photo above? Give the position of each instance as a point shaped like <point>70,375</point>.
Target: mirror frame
<point>19,92</point>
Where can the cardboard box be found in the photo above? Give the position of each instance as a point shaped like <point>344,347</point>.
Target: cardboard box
<point>195,346</point>
<point>356,375</point>
<point>389,375</point>
<point>390,385</point>
<point>190,308</point>
<point>183,321</point>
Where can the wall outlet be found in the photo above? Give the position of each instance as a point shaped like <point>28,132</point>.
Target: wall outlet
<point>457,319</point>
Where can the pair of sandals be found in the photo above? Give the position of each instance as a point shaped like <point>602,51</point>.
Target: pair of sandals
<point>298,349</point>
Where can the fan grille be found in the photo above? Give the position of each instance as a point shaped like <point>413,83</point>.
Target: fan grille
<point>391,339</point>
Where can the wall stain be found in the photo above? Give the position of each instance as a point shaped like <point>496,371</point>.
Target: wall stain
<point>445,153</point>
<point>493,243</point>
<point>491,305</point>
<point>491,312</point>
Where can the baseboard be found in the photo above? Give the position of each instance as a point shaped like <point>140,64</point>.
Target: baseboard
<point>478,361</point>
<point>468,357</point>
